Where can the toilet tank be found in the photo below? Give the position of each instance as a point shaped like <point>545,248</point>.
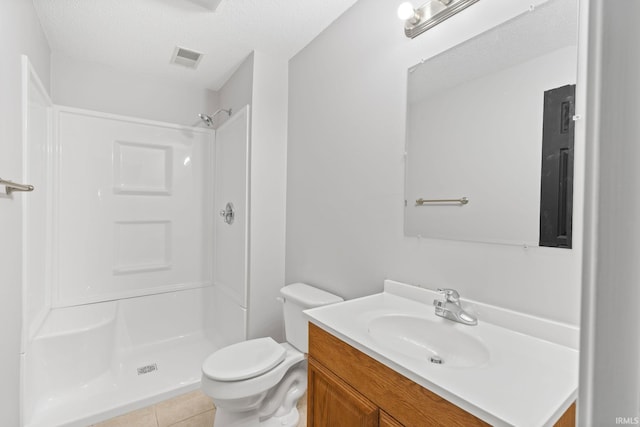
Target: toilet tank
<point>298,297</point>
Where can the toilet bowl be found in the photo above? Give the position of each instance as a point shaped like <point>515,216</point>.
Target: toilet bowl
<point>259,382</point>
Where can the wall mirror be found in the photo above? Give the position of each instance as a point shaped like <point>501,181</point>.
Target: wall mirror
<point>475,129</point>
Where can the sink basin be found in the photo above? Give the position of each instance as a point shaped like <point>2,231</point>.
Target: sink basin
<point>434,341</point>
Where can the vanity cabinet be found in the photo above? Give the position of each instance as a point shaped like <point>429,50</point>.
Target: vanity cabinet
<point>347,388</point>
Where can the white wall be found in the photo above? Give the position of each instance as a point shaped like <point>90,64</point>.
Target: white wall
<point>347,109</point>
<point>268,195</point>
<point>20,33</point>
<point>238,90</point>
<point>99,87</point>
<point>610,333</point>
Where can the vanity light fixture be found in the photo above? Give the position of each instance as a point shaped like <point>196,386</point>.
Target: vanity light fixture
<point>407,13</point>
<point>430,14</point>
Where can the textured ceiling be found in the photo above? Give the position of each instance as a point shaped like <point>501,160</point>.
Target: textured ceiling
<point>140,35</point>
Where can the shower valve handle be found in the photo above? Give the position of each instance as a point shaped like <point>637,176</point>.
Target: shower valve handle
<point>228,213</point>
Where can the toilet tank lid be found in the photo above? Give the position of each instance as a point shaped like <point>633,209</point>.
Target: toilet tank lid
<point>308,296</point>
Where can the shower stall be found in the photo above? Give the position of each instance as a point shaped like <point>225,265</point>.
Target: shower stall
<point>120,245</point>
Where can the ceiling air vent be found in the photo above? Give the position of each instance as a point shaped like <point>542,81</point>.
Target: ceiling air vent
<point>186,57</point>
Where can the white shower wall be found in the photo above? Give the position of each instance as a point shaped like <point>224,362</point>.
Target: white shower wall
<point>231,243</point>
<point>37,236</point>
<point>131,261</point>
<point>20,33</point>
<point>133,207</point>
<point>134,250</point>
<point>259,81</point>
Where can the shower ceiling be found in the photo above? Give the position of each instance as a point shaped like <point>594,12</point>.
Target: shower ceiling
<point>140,36</point>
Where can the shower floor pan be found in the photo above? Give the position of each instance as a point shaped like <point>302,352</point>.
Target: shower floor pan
<point>142,377</point>
<point>124,356</point>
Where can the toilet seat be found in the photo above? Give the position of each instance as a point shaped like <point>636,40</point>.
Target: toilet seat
<point>225,390</point>
<point>244,360</point>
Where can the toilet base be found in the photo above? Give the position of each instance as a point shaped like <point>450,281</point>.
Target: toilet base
<point>252,419</point>
<point>288,420</point>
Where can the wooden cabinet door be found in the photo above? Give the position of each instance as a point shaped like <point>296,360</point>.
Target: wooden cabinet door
<point>334,403</point>
<point>387,420</point>
<point>568,419</point>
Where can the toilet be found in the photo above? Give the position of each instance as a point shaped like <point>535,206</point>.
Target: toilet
<point>259,382</point>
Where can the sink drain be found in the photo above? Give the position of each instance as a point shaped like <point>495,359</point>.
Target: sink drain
<point>436,359</point>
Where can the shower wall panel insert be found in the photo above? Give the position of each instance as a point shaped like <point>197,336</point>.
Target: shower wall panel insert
<point>129,216</point>
<point>231,278</point>
<point>133,212</point>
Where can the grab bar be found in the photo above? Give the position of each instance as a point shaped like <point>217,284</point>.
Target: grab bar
<point>11,186</point>
<point>422,202</point>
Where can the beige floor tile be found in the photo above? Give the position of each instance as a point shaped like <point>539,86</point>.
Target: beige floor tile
<point>145,417</point>
<point>302,409</point>
<point>202,420</point>
<point>193,409</point>
<point>182,407</point>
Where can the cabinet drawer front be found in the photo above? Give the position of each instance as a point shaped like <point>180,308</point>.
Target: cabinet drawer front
<point>407,402</point>
<point>333,403</point>
<point>387,420</point>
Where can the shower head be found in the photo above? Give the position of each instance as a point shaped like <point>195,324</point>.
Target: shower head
<point>209,119</point>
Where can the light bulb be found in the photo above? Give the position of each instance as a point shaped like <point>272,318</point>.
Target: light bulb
<point>406,11</point>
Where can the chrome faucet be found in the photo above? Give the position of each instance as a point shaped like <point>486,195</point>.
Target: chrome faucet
<point>450,308</point>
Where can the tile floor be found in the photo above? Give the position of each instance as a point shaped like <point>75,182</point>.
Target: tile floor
<point>193,409</point>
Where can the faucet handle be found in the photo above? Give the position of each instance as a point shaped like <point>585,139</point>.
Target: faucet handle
<point>451,295</point>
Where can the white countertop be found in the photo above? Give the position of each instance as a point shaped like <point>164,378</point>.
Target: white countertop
<point>529,380</point>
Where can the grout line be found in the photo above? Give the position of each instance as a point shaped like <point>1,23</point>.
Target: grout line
<point>155,415</point>
<point>198,413</point>
<point>190,417</point>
